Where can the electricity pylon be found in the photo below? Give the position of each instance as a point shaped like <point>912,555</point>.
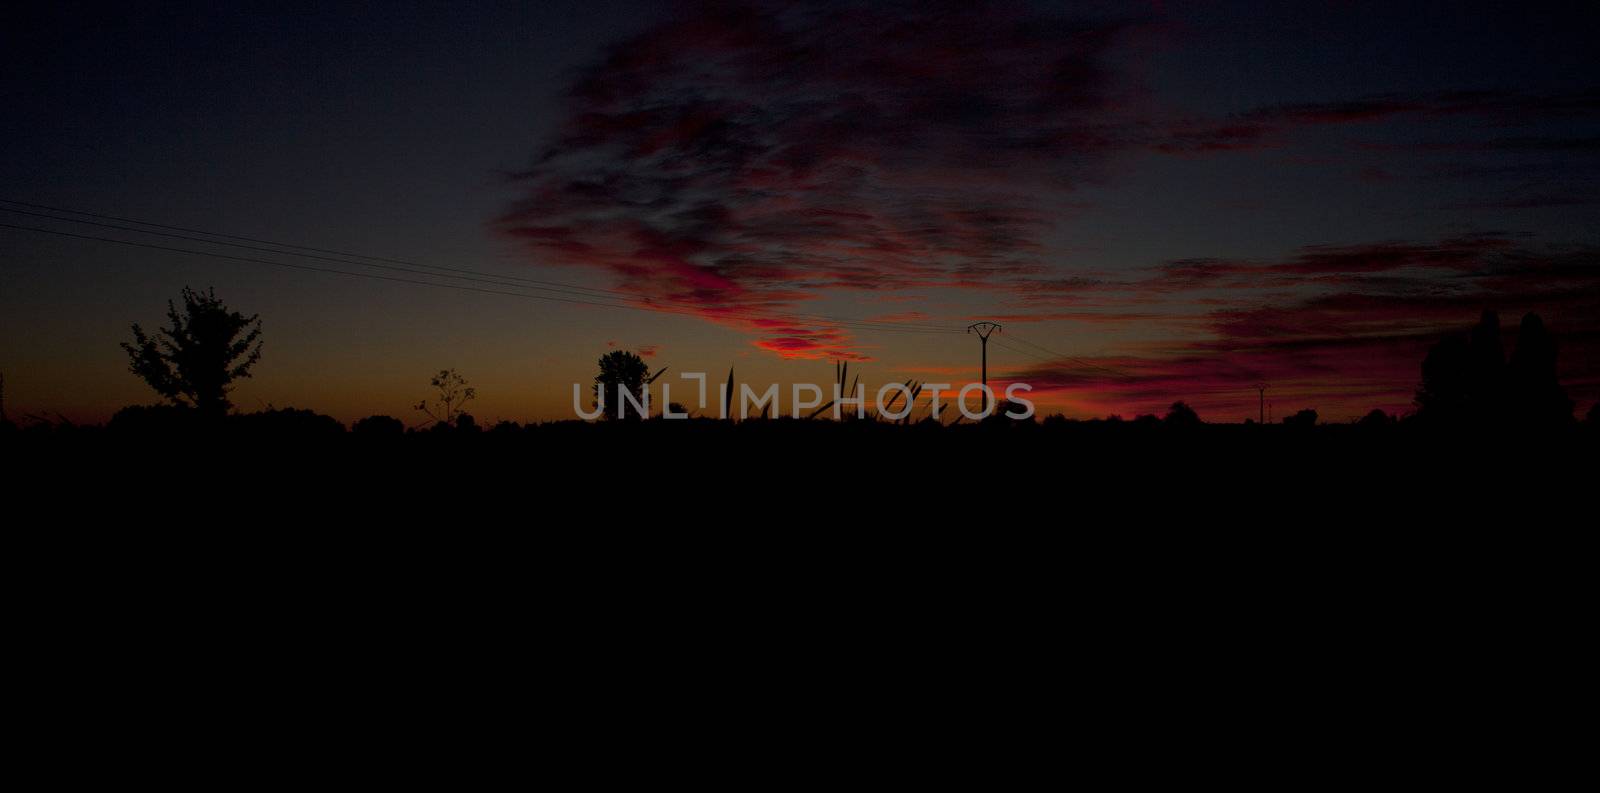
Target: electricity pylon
<point>1261,406</point>
<point>983,329</point>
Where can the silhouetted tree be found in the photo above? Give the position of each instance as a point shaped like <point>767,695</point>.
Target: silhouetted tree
<point>1181,415</point>
<point>619,370</point>
<point>1534,394</point>
<point>1593,416</point>
<point>1304,418</point>
<point>379,427</point>
<point>454,394</point>
<point>1445,393</point>
<point>1486,369</point>
<point>1468,379</point>
<point>1377,418</point>
<point>194,361</point>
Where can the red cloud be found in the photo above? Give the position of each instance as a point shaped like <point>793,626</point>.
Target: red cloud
<point>744,158</point>
<point>1342,351</point>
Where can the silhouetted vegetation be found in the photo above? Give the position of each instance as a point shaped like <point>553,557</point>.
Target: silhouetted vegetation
<point>1376,418</point>
<point>1467,381</point>
<point>1303,418</point>
<point>448,405</point>
<point>194,360</point>
<point>1471,398</point>
<point>1181,415</point>
<point>5,421</point>
<point>620,371</point>
<point>286,423</point>
<point>379,427</point>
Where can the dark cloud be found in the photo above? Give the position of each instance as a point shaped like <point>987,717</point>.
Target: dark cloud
<point>744,158</point>
<point>1273,125</point>
<point>745,155</point>
<point>1494,105</point>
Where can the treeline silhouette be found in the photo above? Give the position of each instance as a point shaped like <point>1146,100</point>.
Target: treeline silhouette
<point>1468,387</point>
<point>1486,447</point>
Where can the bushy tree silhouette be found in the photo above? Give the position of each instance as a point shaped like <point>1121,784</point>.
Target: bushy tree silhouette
<point>1534,394</point>
<point>1181,415</point>
<point>454,394</point>
<point>1467,380</point>
<point>1303,418</point>
<point>620,370</point>
<point>379,427</point>
<point>1446,391</point>
<point>195,360</point>
<point>1377,418</point>
<point>279,424</point>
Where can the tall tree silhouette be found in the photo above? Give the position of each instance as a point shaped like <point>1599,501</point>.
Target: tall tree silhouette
<point>195,360</point>
<point>1463,378</point>
<point>619,370</point>
<point>1535,395</point>
<point>1467,379</point>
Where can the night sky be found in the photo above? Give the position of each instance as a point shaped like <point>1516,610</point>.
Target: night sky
<point>1159,201</point>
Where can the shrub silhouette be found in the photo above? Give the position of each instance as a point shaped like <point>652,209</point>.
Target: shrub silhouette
<point>454,394</point>
<point>379,427</point>
<point>152,420</point>
<point>194,361</point>
<point>1181,415</point>
<point>285,423</point>
<point>1304,418</point>
<point>1377,418</point>
<point>1007,406</point>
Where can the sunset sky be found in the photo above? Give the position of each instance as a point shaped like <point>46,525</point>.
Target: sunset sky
<point>1159,201</point>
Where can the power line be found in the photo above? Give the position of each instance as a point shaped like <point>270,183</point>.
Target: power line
<point>1064,356</point>
<point>499,280</point>
<point>396,279</point>
<point>465,274</point>
<point>1127,378</point>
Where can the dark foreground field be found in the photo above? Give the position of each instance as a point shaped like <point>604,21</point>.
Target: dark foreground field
<point>1331,570</point>
<point>1053,473</point>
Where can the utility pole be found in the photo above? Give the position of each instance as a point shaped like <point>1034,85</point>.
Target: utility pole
<point>1261,406</point>
<point>983,329</point>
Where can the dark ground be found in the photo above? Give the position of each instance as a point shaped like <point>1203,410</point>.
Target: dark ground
<point>1276,602</point>
<point>1001,475</point>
